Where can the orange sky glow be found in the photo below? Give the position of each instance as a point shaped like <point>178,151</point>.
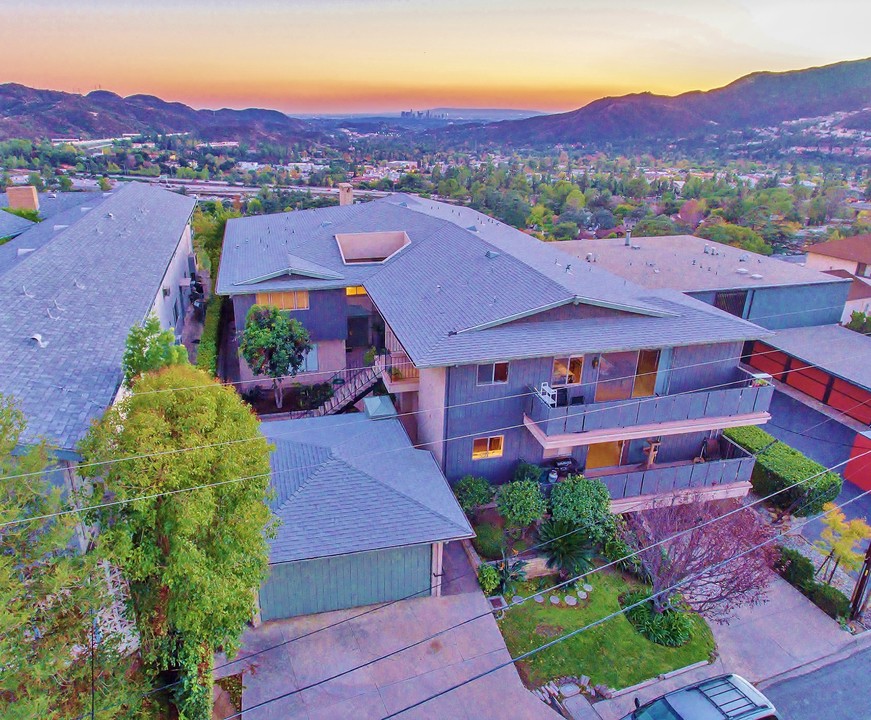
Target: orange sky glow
<point>332,56</point>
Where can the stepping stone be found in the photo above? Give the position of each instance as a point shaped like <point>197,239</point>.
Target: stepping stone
<point>585,680</point>
<point>554,600</point>
<point>582,595</point>
<point>539,599</point>
<point>516,600</point>
<point>569,690</point>
<point>588,588</point>
<point>571,601</point>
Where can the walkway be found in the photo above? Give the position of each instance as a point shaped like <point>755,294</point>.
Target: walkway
<point>388,685</point>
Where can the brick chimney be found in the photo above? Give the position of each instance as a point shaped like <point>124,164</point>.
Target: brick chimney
<point>346,194</point>
<point>22,197</point>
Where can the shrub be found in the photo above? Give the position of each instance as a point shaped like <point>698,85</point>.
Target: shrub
<point>584,503</point>
<point>567,548</point>
<point>488,578</point>
<point>778,466</point>
<point>526,472</point>
<point>511,571</point>
<point>829,599</point>
<point>520,503</point>
<point>671,628</point>
<point>207,354</point>
<point>472,492</point>
<point>617,550</point>
<point>488,541</point>
<point>795,568</point>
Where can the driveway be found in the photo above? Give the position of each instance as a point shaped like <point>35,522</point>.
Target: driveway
<point>391,684</point>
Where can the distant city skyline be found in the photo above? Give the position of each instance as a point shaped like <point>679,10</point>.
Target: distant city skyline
<point>359,56</point>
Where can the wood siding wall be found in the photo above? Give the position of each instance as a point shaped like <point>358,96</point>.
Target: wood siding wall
<point>326,318</point>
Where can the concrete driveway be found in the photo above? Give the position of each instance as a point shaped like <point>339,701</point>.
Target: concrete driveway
<point>389,685</point>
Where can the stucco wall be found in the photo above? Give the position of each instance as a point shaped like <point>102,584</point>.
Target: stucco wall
<point>798,305</point>
<point>823,262</point>
<point>430,417</point>
<point>176,298</point>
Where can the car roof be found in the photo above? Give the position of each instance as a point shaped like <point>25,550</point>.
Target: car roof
<point>724,697</point>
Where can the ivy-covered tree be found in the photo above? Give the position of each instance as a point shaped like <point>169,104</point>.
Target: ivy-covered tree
<point>52,599</point>
<point>149,348</point>
<point>584,503</point>
<point>194,560</point>
<point>274,345</point>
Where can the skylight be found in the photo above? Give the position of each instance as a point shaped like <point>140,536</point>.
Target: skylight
<point>370,247</point>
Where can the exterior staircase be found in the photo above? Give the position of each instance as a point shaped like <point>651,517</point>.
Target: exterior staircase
<point>349,386</point>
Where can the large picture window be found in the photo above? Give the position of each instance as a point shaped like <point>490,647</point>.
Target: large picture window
<point>626,375</point>
<point>487,447</point>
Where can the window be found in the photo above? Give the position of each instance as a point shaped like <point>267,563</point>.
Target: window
<point>487,447</point>
<point>616,376</point>
<point>732,301</point>
<point>355,290</point>
<point>567,370</point>
<point>645,375</point>
<point>493,373</point>
<point>603,455</point>
<point>291,300</point>
<point>310,361</point>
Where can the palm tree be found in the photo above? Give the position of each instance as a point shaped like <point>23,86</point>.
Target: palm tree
<point>568,549</point>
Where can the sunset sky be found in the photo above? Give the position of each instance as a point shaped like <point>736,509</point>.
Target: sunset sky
<point>330,56</point>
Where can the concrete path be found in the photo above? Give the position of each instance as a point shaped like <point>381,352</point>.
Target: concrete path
<point>389,685</point>
<point>834,692</point>
<point>759,643</point>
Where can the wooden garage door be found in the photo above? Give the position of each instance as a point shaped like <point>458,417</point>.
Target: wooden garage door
<point>344,581</point>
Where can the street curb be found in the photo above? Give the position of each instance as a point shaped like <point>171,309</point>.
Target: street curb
<point>857,644</point>
<point>659,678</point>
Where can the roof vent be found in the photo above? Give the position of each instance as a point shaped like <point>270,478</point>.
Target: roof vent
<point>472,228</point>
<point>756,276</point>
<point>707,250</point>
<point>78,284</point>
<point>744,257</point>
<point>27,294</point>
<point>110,215</point>
<point>636,247</point>
<point>326,223</point>
<point>39,341</point>
<point>60,227</point>
<point>491,254</point>
<point>569,267</point>
<point>24,251</point>
<point>742,271</point>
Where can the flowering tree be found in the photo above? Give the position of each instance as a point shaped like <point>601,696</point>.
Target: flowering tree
<point>703,562</point>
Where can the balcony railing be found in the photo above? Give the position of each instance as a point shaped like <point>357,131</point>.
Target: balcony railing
<point>397,370</point>
<point>734,465</point>
<point>747,395</point>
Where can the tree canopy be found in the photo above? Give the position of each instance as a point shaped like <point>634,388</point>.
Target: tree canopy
<point>194,560</point>
<point>149,348</point>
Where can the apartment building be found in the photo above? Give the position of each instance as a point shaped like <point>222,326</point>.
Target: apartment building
<point>500,348</point>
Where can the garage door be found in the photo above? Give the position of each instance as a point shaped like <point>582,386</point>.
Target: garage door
<point>344,581</point>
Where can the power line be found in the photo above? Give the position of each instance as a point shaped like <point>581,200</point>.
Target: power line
<point>599,621</point>
<point>252,477</point>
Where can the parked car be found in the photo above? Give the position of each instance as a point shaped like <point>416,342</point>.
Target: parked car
<point>728,697</point>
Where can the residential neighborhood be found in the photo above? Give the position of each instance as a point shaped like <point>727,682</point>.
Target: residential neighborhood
<point>435,361</point>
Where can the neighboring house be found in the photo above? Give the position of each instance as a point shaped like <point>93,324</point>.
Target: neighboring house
<point>859,297</point>
<point>852,254</point>
<point>71,288</point>
<point>763,290</point>
<point>364,516</point>
<point>501,348</point>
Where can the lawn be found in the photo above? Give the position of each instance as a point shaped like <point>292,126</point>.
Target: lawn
<point>611,654</point>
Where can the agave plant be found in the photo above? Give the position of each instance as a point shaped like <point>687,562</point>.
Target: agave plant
<point>511,570</point>
<point>568,549</point>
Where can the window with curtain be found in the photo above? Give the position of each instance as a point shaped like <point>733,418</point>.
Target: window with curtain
<point>290,300</point>
<point>567,370</point>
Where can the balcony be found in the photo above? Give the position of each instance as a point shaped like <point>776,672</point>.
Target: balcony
<point>744,402</point>
<point>635,487</point>
<point>398,372</point>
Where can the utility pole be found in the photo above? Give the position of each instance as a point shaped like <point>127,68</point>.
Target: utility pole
<point>860,593</point>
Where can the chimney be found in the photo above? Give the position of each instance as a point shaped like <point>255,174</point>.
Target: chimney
<point>346,194</point>
<point>22,197</point>
<point>628,241</point>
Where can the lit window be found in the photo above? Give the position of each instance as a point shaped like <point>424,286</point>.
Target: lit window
<point>290,300</point>
<point>567,370</point>
<point>493,373</point>
<point>355,290</point>
<point>487,447</point>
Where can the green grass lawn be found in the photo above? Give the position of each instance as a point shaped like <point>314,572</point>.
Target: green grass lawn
<point>611,654</point>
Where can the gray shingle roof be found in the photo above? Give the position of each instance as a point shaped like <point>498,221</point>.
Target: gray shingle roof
<point>81,291</point>
<point>833,348</point>
<point>11,225</point>
<point>681,263</point>
<point>346,483</point>
<point>452,295</point>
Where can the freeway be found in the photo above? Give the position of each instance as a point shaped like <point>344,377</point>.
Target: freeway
<point>836,692</point>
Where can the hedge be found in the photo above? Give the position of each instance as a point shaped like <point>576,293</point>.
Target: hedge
<point>779,466</point>
<point>207,354</point>
<point>798,571</point>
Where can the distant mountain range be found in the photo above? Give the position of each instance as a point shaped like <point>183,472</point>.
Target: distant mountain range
<point>757,100</point>
<point>29,113</point>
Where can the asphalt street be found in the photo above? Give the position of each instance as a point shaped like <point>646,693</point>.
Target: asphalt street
<point>836,692</point>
